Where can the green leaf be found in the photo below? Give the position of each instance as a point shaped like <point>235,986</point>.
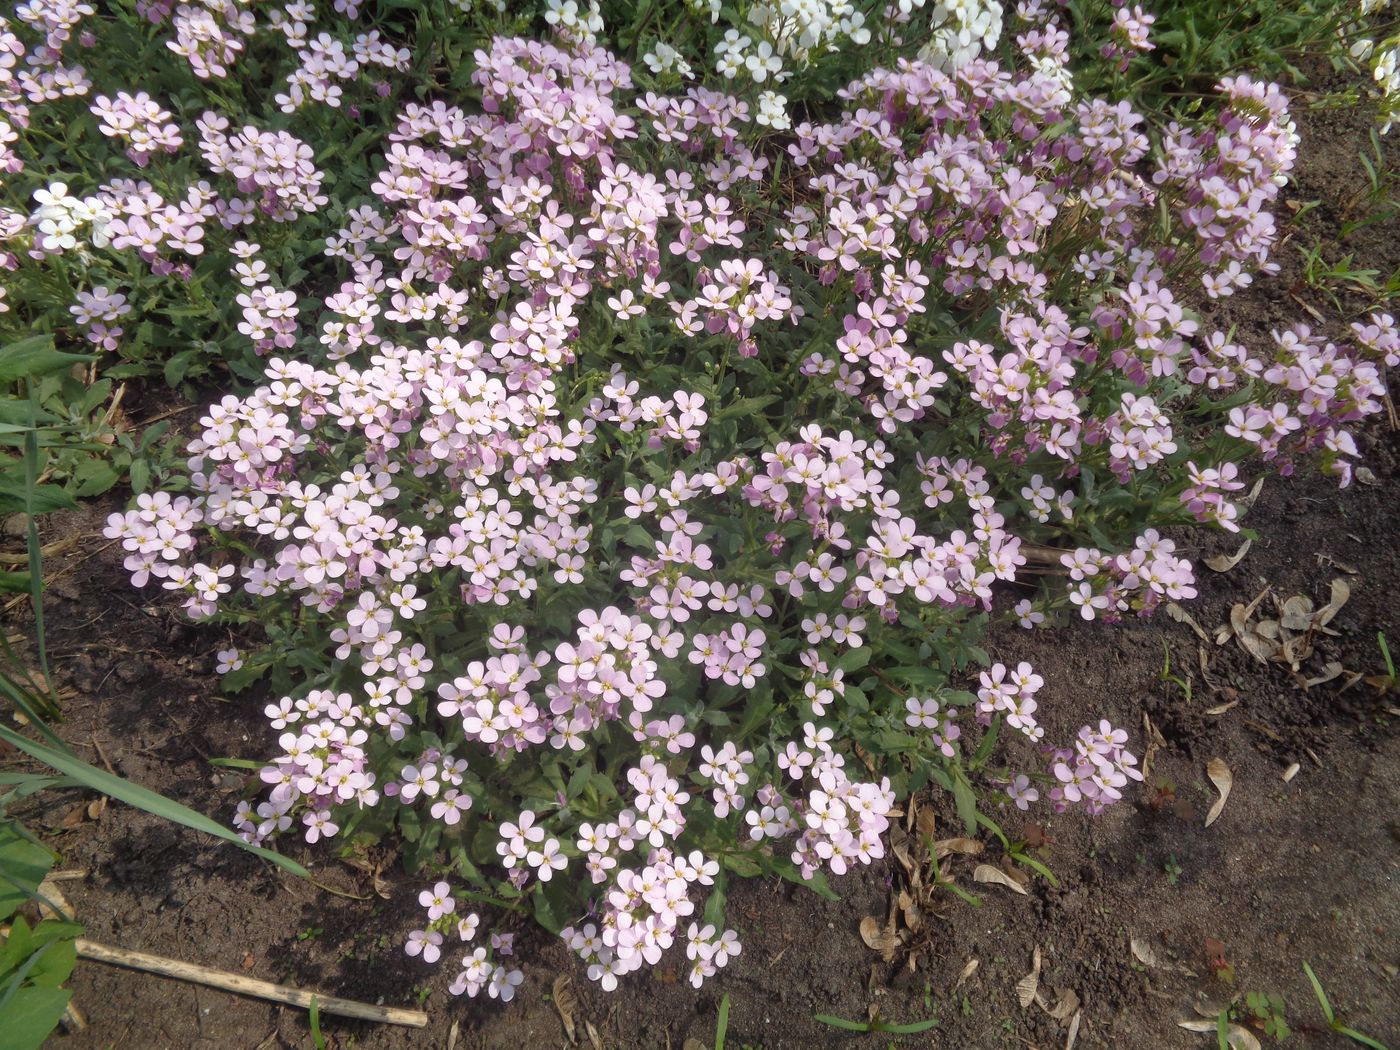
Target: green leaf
<point>714,906</point>
<point>140,473</point>
<point>105,783</point>
<point>30,1015</point>
<point>23,865</point>
<point>57,963</point>
<point>178,366</point>
<point>550,904</point>
<point>855,659</point>
<point>758,706</point>
<point>35,356</point>
<point>44,498</point>
<point>94,477</point>
<point>918,675</point>
<point>745,865</point>
<point>966,801</point>
<point>746,406</point>
<point>14,582</point>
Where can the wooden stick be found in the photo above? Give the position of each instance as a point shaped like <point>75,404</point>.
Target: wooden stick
<point>233,982</point>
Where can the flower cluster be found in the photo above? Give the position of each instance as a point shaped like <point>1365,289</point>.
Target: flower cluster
<point>631,504</point>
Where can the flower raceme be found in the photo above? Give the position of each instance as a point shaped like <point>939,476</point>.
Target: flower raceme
<point>574,602</point>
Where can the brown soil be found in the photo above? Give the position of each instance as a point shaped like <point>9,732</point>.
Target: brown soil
<point>1304,870</point>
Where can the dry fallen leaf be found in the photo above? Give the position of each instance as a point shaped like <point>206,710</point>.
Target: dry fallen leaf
<point>1220,709</point>
<point>991,873</point>
<point>1142,951</point>
<point>1239,1037</point>
<point>1226,562</point>
<point>880,937</point>
<point>967,971</point>
<point>248,961</point>
<point>1073,1031</point>
<point>1248,502</point>
<point>1341,593</point>
<point>1297,613</point>
<point>1366,476</point>
<point>1291,772</point>
<point>1180,615</point>
<point>1027,986</point>
<point>1067,1003</point>
<point>926,823</point>
<point>96,807</point>
<point>566,1002</point>
<point>944,847</point>
<point>913,918</point>
<point>1325,561</point>
<point>1330,670</point>
<point>1223,780</point>
<point>593,1036</point>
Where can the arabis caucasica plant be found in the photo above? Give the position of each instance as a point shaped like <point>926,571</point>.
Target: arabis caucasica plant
<point>624,516</point>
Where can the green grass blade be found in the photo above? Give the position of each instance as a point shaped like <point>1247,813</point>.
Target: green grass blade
<point>1321,995</point>
<point>912,1027</point>
<point>142,798</point>
<point>36,558</point>
<point>315,1021</point>
<point>21,698</point>
<point>1364,1040</point>
<point>841,1022</point>
<point>722,1022</point>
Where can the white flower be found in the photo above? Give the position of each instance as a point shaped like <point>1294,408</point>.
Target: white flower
<point>664,58</point>
<point>772,111</point>
<point>762,63</point>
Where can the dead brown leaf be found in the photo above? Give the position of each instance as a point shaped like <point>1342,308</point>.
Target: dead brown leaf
<point>1297,613</point>
<point>1239,1037</point>
<point>1073,1030</point>
<point>880,937</point>
<point>1066,1003</point>
<point>1220,709</point>
<point>967,971</point>
<point>1142,951</point>
<point>1226,562</point>
<point>1028,985</point>
<point>566,1003</point>
<point>909,911</point>
<point>1291,772</point>
<point>926,822</point>
<point>946,847</point>
<point>1325,561</point>
<point>96,808</point>
<point>1223,780</point>
<point>1248,501</point>
<point>1341,593</point>
<point>1330,670</point>
<point>1180,615</point>
<point>993,874</point>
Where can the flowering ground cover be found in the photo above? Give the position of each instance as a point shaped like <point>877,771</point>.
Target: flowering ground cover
<point>628,460</point>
